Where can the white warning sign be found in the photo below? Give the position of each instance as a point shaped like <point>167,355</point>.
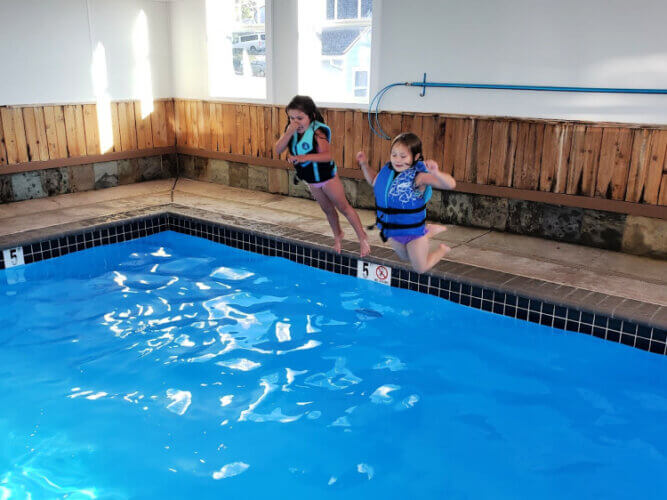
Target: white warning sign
<point>374,272</point>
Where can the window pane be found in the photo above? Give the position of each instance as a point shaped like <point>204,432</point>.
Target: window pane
<point>236,48</point>
<point>330,9</point>
<point>332,52</point>
<point>347,9</point>
<point>366,8</point>
<point>361,79</point>
<point>361,92</point>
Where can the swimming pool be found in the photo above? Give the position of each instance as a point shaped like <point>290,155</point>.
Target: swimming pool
<point>172,366</point>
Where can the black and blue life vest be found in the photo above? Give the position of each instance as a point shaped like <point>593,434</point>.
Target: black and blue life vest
<point>310,171</point>
<point>400,206</point>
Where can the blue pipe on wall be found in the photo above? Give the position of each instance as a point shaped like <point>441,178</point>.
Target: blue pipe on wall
<point>541,88</point>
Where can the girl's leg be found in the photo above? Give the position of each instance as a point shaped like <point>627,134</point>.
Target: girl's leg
<point>420,259</point>
<point>400,249</point>
<point>332,216</point>
<point>334,190</point>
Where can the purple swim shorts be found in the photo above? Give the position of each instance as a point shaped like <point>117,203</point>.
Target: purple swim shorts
<point>404,240</point>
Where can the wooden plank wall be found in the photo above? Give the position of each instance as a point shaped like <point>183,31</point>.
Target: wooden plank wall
<point>593,160</point>
<point>605,161</point>
<point>43,133</point>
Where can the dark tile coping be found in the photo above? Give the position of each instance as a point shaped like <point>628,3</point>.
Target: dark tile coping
<point>637,324</point>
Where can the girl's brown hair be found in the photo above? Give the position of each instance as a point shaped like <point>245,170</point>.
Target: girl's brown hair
<point>306,105</point>
<point>412,142</point>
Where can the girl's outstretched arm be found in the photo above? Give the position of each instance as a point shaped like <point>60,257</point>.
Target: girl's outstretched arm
<point>282,143</point>
<point>434,177</point>
<point>369,173</point>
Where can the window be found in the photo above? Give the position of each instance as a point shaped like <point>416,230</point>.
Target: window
<point>361,83</point>
<point>337,33</point>
<point>236,48</point>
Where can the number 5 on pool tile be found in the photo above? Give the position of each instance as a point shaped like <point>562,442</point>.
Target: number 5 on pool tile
<point>374,272</point>
<point>13,257</point>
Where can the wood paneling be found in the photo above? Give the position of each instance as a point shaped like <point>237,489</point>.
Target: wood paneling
<point>614,163</point>
<point>456,147</point>
<point>92,129</point>
<point>656,162</point>
<point>528,158</point>
<point>55,132</point>
<point>181,131</point>
<point>482,151</point>
<point>253,132</point>
<point>171,121</point>
<point>215,111</point>
<point>30,134</point>
<point>115,127</point>
<point>556,148</point>
<point>158,124</point>
<point>144,127</point>
<point>499,156</point>
<point>19,131</point>
<point>604,161</point>
<point>638,163</point>
<point>74,130</point>
<point>42,152</point>
<point>7,117</point>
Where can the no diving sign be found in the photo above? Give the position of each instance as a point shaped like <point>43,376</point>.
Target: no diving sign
<point>374,272</point>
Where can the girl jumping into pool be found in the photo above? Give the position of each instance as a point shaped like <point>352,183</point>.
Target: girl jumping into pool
<point>308,139</point>
<point>402,188</point>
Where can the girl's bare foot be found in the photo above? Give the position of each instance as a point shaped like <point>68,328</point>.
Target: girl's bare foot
<point>433,229</point>
<point>364,247</point>
<point>338,242</point>
<point>441,251</point>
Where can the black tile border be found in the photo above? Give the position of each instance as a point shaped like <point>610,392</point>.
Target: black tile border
<point>68,242</point>
<point>285,244</point>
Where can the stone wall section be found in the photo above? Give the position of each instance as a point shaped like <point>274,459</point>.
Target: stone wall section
<point>608,230</point>
<point>87,177</point>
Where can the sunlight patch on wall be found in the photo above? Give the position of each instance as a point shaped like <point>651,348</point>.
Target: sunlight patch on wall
<point>143,84</point>
<point>102,98</point>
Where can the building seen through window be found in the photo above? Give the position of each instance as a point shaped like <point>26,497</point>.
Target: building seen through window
<point>237,48</point>
<point>334,49</point>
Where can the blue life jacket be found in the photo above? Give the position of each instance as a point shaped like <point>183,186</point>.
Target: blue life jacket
<point>310,171</point>
<point>400,206</point>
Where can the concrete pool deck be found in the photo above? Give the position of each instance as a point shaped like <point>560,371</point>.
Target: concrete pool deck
<point>600,280</point>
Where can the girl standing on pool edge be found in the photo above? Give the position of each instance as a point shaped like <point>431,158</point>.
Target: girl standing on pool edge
<point>308,139</point>
<point>402,188</point>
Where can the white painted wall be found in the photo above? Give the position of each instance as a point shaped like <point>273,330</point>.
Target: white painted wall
<point>189,49</point>
<point>46,49</point>
<point>592,43</point>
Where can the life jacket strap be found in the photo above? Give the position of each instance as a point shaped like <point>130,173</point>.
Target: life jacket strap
<point>394,211</point>
<point>389,225</point>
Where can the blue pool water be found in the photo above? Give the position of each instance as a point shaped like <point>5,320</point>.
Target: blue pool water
<point>173,367</point>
